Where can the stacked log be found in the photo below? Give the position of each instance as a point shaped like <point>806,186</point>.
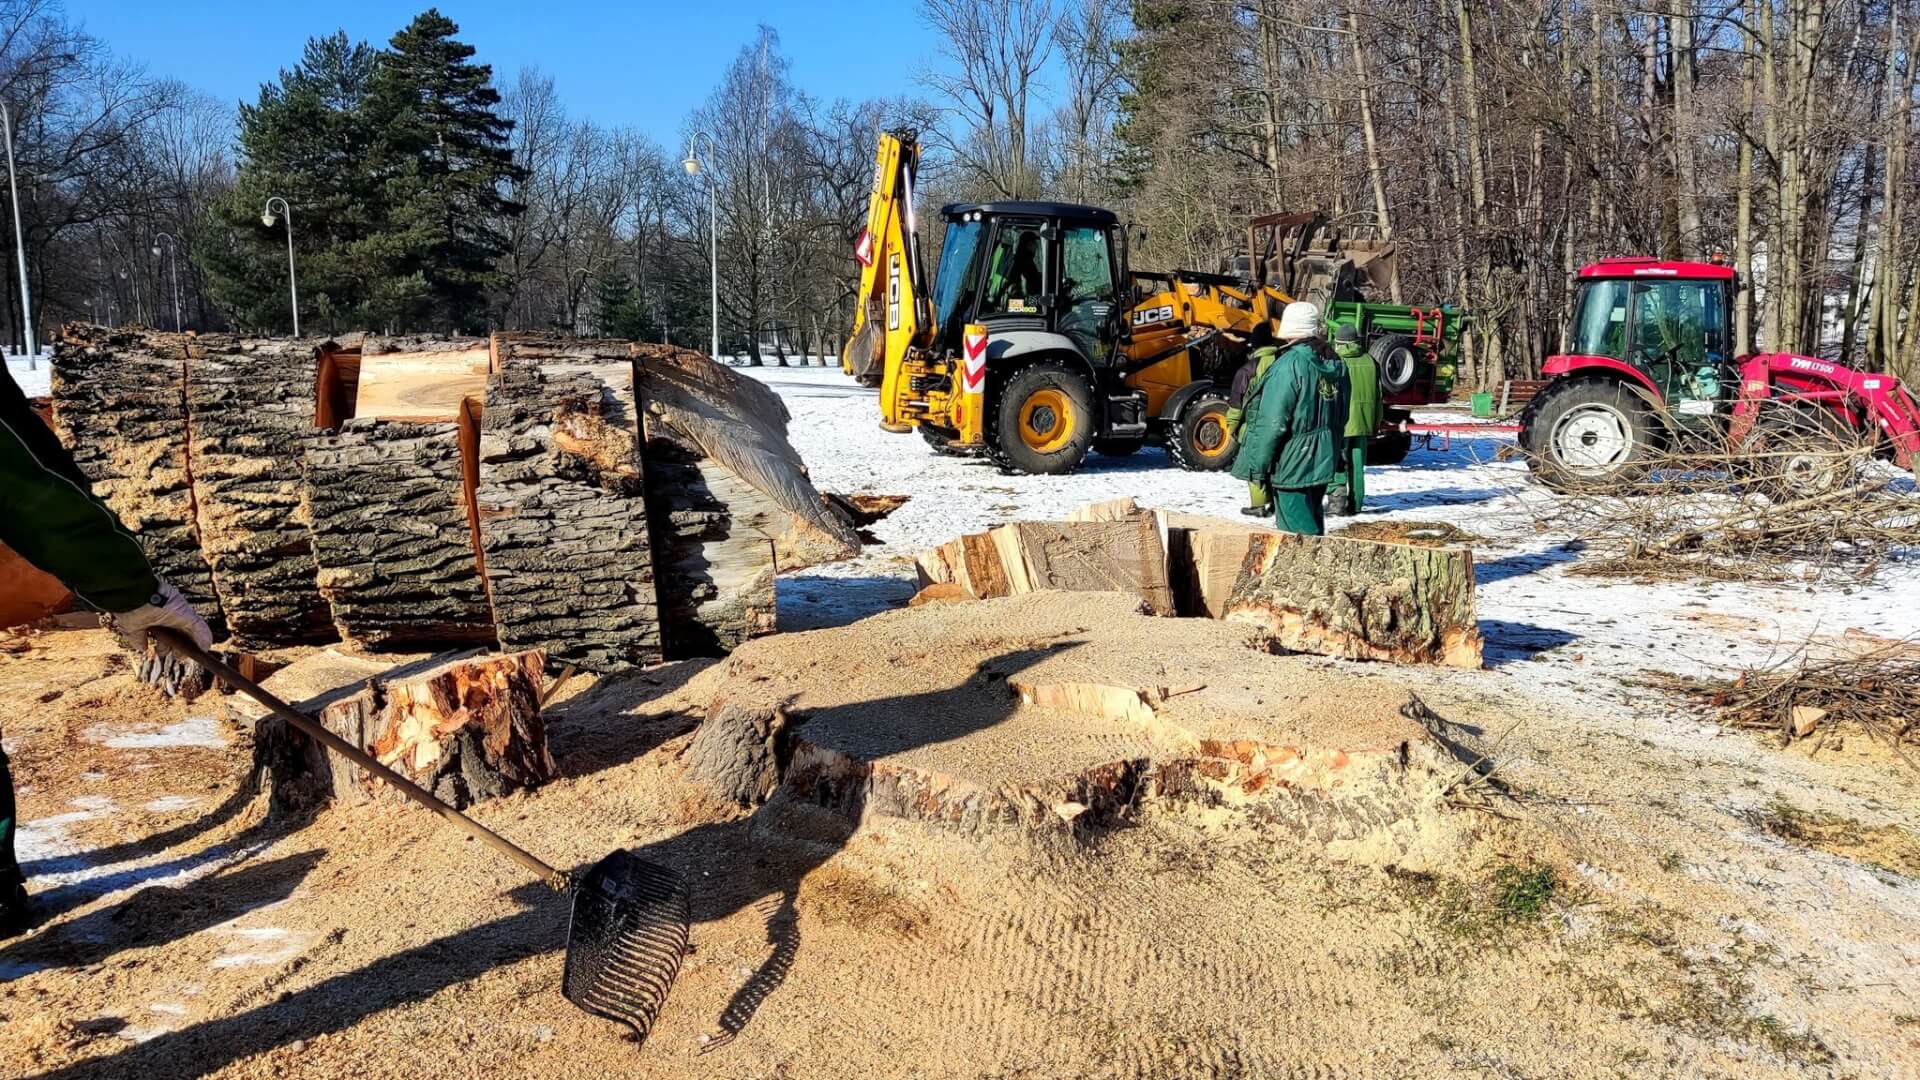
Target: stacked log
<point>392,538</point>
<point>562,520</point>
<point>119,402</point>
<point>1124,554</point>
<point>247,435</point>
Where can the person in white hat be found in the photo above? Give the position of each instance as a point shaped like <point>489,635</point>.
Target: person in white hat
<point>1295,416</point>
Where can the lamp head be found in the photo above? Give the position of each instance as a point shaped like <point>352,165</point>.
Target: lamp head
<point>156,251</point>
<point>692,165</point>
<point>269,218</point>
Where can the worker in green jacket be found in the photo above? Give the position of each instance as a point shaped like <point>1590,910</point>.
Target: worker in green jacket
<point>1296,412</point>
<point>1363,419</point>
<point>1260,355</point>
<point>49,518</point>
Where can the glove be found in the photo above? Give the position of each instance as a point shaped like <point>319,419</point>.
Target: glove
<point>167,608</point>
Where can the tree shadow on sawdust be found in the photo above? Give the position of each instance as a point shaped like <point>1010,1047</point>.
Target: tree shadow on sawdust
<point>596,730</point>
<point>729,866</point>
<point>1511,642</point>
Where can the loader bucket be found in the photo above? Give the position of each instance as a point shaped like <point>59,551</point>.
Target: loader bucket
<point>631,919</point>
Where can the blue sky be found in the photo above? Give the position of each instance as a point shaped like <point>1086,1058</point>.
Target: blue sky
<point>643,64</point>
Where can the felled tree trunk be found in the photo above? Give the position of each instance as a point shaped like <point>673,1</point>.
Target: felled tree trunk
<point>563,521</point>
<point>119,405</point>
<point>250,421</point>
<point>1360,599</point>
<point>465,728</point>
<point>729,498</point>
<point>392,538</point>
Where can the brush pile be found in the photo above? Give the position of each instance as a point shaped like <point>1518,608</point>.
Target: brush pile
<point>1871,688</point>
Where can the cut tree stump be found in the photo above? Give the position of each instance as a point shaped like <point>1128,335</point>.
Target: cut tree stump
<point>119,405</point>
<point>562,520</point>
<point>248,436</point>
<point>729,498</point>
<point>466,728</point>
<point>392,538</point>
<point>736,751</point>
<point>1360,599</point>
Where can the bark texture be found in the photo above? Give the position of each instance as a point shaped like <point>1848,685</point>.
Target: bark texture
<point>251,421</point>
<point>737,751</point>
<point>563,521</point>
<point>391,536</point>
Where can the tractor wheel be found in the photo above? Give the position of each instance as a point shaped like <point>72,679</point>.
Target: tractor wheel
<point>1398,361</point>
<point>1044,422</point>
<point>1798,452</point>
<point>1118,447</point>
<point>1389,448</point>
<point>1588,433</point>
<point>1199,441</point>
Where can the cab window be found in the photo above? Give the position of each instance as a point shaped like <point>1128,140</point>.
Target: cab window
<point>1015,272</point>
<point>1600,322</point>
<point>1086,287</point>
<point>1677,322</point>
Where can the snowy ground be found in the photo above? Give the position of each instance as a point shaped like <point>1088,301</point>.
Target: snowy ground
<point>33,378</point>
<point>1565,629</point>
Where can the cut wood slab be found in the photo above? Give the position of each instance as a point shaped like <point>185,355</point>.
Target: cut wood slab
<point>119,405</point>
<point>1360,599</point>
<point>562,519</point>
<point>249,429</point>
<point>419,384</point>
<point>1126,555</point>
<point>392,538</point>
<point>466,728</point>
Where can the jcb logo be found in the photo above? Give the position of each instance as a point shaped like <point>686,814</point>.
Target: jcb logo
<point>893,292</point>
<point>1163,313</point>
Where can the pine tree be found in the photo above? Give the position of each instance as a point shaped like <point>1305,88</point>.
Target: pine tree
<point>622,314</point>
<point>441,157</point>
<point>301,141</point>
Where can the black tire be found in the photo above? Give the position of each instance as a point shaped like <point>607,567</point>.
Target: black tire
<point>1588,433</point>
<point>1801,451</point>
<point>1198,439</point>
<point>1118,447</point>
<point>940,444</point>
<point>1398,360</point>
<point>1389,448</point>
<point>1044,421</point>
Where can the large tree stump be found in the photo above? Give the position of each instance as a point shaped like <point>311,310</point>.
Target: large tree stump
<point>466,728</point>
<point>250,421</point>
<point>563,520</point>
<point>1360,599</point>
<point>119,405</point>
<point>392,538</point>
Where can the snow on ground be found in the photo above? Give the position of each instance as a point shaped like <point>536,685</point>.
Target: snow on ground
<point>33,378</point>
<point>1564,629</point>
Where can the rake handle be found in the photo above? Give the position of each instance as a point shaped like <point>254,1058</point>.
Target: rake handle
<point>181,644</point>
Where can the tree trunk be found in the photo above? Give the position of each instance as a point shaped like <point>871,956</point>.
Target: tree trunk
<point>1685,172</point>
<point>392,537</point>
<point>119,405</point>
<point>1375,174</point>
<point>251,422</point>
<point>1743,185</point>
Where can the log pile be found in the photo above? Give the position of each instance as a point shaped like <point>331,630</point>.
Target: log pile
<point>609,504</point>
<point>1335,596</point>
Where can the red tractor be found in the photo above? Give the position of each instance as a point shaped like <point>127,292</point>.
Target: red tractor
<point>1650,370</point>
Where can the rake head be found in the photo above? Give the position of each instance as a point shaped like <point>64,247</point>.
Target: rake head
<point>631,919</point>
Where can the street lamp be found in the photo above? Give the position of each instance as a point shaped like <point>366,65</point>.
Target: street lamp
<point>692,165</point>
<point>19,242</point>
<point>173,264</point>
<point>293,285</point>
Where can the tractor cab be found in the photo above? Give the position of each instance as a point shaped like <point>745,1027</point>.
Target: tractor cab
<point>1665,326</point>
<point>1033,267</point>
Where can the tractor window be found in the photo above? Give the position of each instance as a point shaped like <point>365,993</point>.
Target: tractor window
<point>951,281</point>
<point>1086,287</point>
<point>1678,322</point>
<point>1600,319</point>
<point>1015,274</point>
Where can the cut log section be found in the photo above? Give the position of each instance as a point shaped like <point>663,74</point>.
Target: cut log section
<point>465,728</point>
<point>729,498</point>
<point>419,379</point>
<point>1125,554</point>
<point>248,437</point>
<point>1360,599</point>
<point>119,405</point>
<point>562,520</point>
<point>392,538</point>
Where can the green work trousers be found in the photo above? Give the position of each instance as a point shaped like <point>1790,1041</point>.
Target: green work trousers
<point>10,878</point>
<point>1353,479</point>
<point>1301,510</point>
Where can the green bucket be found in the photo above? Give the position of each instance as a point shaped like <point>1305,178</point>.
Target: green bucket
<point>1482,406</point>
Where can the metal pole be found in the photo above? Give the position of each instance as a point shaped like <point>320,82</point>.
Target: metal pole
<point>173,264</point>
<point>19,243</point>
<point>293,283</point>
<point>713,228</point>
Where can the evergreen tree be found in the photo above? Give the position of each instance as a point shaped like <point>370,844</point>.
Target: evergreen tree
<point>622,313</point>
<point>302,141</point>
<point>441,158</point>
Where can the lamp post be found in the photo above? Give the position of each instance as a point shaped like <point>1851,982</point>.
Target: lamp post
<point>692,165</point>
<point>173,266</point>
<point>293,284</point>
<point>19,242</point>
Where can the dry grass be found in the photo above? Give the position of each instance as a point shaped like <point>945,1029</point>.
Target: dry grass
<point>1417,533</point>
<point>1888,847</point>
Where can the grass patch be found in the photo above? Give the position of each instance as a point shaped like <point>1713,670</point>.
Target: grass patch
<point>1884,847</point>
<point>1417,533</point>
<point>1508,898</point>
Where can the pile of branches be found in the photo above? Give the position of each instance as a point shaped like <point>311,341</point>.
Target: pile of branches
<point>1733,512</point>
<point>1874,689</point>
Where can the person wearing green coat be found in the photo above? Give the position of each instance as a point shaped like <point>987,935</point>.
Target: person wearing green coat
<point>1295,417</point>
<point>49,518</point>
<point>1260,356</point>
<point>1363,419</point>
